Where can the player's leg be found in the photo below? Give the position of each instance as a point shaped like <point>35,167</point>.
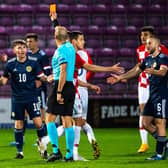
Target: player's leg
<point>52,110</point>
<point>34,113</point>
<point>77,115</point>
<point>161,139</point>
<point>86,126</point>
<point>18,116</point>
<point>69,137</point>
<point>143,95</point>
<point>69,98</point>
<point>160,114</point>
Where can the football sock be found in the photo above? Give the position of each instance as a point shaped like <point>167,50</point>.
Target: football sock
<point>41,132</point>
<point>89,132</point>
<point>19,139</point>
<point>69,136</point>
<point>53,135</point>
<point>77,138</point>
<point>155,134</point>
<point>24,125</point>
<point>161,141</point>
<point>143,132</point>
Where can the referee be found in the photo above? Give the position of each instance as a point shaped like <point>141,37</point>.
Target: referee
<point>62,94</point>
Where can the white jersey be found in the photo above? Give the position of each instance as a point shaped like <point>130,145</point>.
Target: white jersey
<point>83,91</point>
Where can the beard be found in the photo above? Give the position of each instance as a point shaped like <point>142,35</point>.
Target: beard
<point>151,51</point>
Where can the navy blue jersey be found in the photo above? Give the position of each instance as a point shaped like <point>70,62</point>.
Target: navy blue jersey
<point>23,76</point>
<point>157,83</point>
<point>43,61</point>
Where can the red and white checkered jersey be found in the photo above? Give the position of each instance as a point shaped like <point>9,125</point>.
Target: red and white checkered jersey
<point>141,55</point>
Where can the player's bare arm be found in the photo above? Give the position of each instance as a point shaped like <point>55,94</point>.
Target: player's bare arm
<point>89,86</point>
<point>130,74</point>
<point>161,72</point>
<point>96,68</point>
<point>61,83</point>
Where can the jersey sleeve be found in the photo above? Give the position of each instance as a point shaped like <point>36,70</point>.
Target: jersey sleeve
<point>6,71</point>
<point>46,65</point>
<point>89,74</point>
<point>61,57</point>
<point>38,70</point>
<point>164,61</point>
<point>142,66</point>
<point>79,62</point>
<point>164,50</point>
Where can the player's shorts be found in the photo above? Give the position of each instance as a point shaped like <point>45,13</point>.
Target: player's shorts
<point>156,108</point>
<point>42,96</point>
<point>77,110</point>
<point>18,110</point>
<point>143,94</point>
<point>83,92</point>
<point>68,93</point>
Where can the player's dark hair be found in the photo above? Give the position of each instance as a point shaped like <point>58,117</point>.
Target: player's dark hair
<point>150,29</point>
<point>18,42</point>
<point>32,35</point>
<point>75,34</point>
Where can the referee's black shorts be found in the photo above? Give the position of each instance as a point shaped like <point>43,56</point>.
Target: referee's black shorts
<point>68,93</point>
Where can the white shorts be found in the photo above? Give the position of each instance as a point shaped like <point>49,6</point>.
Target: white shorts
<point>84,99</point>
<point>77,109</point>
<point>143,94</point>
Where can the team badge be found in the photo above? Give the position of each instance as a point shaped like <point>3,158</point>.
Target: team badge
<point>154,65</point>
<point>28,68</point>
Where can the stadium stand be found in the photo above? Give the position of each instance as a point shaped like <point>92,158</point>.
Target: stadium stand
<point>111,29</point>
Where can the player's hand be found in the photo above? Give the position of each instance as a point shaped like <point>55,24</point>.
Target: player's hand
<point>53,16</point>
<point>38,83</point>
<point>149,70</point>
<point>3,57</point>
<point>50,78</point>
<point>123,80</point>
<point>95,88</point>
<point>117,69</point>
<point>60,99</point>
<point>113,79</point>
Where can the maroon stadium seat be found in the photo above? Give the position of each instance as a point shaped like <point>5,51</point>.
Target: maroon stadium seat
<point>7,20</point>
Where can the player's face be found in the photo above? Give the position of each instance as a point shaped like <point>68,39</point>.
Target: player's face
<point>151,45</point>
<point>31,43</point>
<point>80,42</point>
<point>20,50</point>
<point>144,36</point>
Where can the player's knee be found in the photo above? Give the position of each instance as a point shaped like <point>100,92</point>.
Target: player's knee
<point>67,121</point>
<point>18,124</point>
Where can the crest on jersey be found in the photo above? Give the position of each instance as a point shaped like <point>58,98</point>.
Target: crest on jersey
<point>28,68</point>
<point>154,65</point>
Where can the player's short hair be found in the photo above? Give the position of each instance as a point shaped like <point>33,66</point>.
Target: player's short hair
<point>18,42</point>
<point>32,35</point>
<point>75,34</point>
<point>150,29</point>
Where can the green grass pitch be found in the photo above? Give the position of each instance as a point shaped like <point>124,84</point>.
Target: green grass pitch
<point>118,150</point>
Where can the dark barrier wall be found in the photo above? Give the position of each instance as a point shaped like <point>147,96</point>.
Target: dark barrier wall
<point>113,113</point>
